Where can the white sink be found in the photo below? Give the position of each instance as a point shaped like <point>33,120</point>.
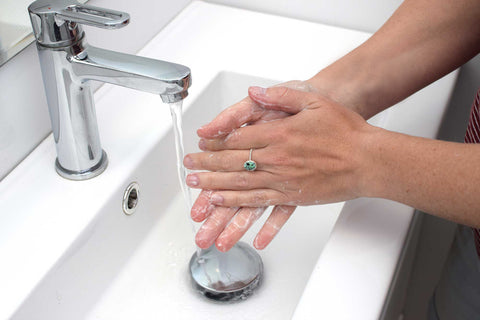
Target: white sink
<point>69,252</point>
<point>136,266</point>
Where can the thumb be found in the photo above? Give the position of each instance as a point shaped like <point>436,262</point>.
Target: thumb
<point>282,98</point>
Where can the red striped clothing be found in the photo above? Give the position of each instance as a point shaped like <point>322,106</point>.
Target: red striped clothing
<point>473,136</point>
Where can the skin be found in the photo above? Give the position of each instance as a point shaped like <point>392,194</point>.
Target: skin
<point>217,228</point>
<point>315,147</point>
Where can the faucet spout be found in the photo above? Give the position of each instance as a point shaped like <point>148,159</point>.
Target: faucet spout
<point>169,80</point>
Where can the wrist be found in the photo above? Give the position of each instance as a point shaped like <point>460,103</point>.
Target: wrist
<point>343,91</point>
<point>373,174</point>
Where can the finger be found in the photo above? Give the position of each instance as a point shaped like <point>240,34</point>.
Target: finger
<point>226,160</point>
<point>234,117</point>
<point>240,224</point>
<point>250,198</point>
<point>230,180</point>
<point>246,111</point>
<point>202,207</point>
<point>240,139</point>
<point>271,115</point>
<point>283,99</point>
<point>213,226</point>
<point>272,226</point>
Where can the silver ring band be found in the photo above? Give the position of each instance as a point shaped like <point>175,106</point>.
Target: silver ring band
<point>250,165</point>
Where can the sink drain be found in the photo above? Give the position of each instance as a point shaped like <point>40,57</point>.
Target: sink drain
<point>131,198</point>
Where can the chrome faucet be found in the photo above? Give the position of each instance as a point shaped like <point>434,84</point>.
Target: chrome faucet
<point>68,63</point>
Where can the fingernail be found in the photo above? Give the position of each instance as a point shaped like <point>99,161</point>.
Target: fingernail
<point>202,128</point>
<point>216,199</point>
<point>202,241</point>
<point>256,243</point>
<point>192,180</point>
<point>188,162</point>
<point>257,90</point>
<point>202,144</point>
<point>198,214</point>
<point>194,214</point>
<point>221,246</point>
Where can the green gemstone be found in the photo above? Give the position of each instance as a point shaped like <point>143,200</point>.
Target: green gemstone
<point>250,165</point>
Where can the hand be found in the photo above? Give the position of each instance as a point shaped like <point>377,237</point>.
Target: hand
<point>215,228</point>
<point>224,226</point>
<point>246,112</point>
<point>315,156</point>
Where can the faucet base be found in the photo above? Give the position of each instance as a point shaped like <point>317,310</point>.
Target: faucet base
<point>84,174</point>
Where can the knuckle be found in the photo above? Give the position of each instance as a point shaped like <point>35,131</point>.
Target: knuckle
<point>281,160</point>
<point>240,223</point>
<point>272,227</point>
<point>312,103</point>
<point>224,162</point>
<point>214,222</point>
<point>211,144</point>
<point>206,159</point>
<point>207,180</point>
<point>282,92</point>
<point>280,134</point>
<point>232,139</point>
<point>259,197</point>
<point>297,162</point>
<point>241,181</point>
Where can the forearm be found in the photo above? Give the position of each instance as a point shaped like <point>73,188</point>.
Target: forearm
<point>437,177</point>
<point>421,42</point>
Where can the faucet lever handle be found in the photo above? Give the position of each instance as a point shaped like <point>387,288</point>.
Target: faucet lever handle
<point>49,16</point>
<point>94,16</point>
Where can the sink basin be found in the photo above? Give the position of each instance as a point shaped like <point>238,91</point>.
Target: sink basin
<point>136,266</point>
<point>70,252</point>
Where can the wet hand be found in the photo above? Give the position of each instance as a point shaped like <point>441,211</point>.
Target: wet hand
<point>225,226</point>
<point>245,112</point>
<point>315,156</point>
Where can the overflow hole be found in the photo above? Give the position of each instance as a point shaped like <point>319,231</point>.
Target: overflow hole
<point>131,198</point>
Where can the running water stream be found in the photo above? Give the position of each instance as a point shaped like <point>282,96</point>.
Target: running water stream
<point>176,112</point>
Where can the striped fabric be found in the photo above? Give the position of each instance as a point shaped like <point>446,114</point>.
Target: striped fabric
<point>473,136</point>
